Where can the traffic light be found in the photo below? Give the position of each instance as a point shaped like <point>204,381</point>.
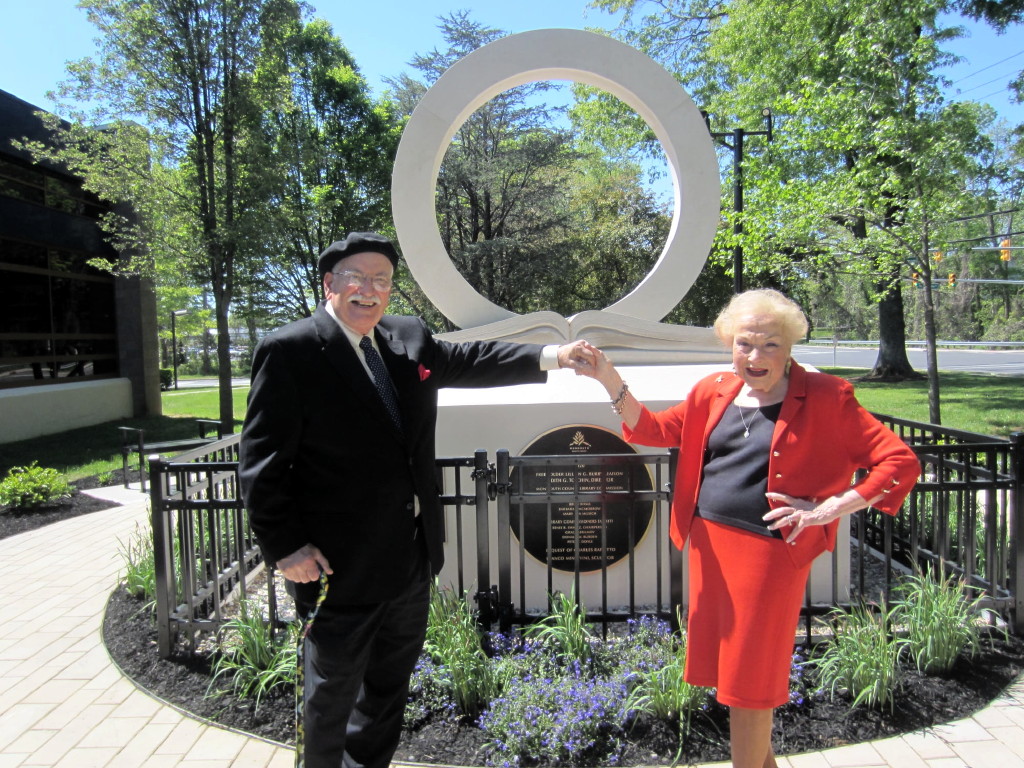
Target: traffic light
<point>952,279</point>
<point>1004,252</point>
<point>915,278</point>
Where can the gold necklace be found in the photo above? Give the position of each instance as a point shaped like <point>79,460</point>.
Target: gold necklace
<point>746,428</point>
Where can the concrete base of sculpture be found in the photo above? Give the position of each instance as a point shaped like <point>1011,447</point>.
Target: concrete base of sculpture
<point>513,417</point>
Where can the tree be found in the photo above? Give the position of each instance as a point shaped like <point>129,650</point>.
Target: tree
<point>998,13</point>
<point>866,154</point>
<point>327,149</point>
<point>501,188</point>
<point>868,114</point>
<point>186,70</point>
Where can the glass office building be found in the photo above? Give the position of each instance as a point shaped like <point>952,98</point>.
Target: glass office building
<point>63,321</point>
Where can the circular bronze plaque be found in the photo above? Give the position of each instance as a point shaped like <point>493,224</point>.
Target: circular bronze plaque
<point>577,526</point>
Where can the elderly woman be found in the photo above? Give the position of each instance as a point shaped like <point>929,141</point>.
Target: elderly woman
<point>767,459</point>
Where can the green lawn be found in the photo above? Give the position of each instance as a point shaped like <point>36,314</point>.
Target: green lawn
<point>992,405</point>
<point>92,450</point>
<point>975,402</point>
<point>203,403</point>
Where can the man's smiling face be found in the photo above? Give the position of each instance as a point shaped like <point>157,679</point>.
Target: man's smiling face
<point>357,303</point>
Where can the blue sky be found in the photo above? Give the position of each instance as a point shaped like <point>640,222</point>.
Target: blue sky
<point>37,37</point>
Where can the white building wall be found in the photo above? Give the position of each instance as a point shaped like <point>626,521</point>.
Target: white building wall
<point>27,412</point>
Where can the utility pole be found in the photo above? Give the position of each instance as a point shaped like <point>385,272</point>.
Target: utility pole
<point>738,135</point>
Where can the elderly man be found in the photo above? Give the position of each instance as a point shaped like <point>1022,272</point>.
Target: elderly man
<point>337,472</point>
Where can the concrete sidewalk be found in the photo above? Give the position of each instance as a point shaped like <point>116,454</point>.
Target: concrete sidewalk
<point>63,703</point>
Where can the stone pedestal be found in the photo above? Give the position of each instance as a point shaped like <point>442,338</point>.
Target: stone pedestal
<point>514,417</point>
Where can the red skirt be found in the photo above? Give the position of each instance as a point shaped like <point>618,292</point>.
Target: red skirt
<point>745,598</point>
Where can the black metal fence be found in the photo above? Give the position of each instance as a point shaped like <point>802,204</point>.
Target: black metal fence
<point>967,513</point>
<point>204,549</point>
<point>611,491</point>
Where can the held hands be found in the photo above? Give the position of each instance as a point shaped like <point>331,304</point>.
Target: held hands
<point>304,565</point>
<point>588,360</point>
<point>577,355</point>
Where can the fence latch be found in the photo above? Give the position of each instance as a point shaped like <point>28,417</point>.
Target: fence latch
<point>493,487</point>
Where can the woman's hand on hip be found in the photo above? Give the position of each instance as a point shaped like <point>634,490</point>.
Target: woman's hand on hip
<point>798,513</point>
<point>803,513</point>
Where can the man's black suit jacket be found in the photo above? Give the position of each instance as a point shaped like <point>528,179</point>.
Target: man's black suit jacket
<point>322,463</point>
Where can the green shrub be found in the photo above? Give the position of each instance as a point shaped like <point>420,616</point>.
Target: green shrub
<point>565,629</point>
<point>454,644</point>
<point>33,486</point>
<point>166,378</point>
<point>863,657</point>
<point>430,695</point>
<point>139,575</point>
<point>941,620</point>
<point>572,719</point>
<point>253,657</point>
<point>659,689</point>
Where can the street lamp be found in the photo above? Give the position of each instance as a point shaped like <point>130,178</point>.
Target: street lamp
<point>737,135</point>
<point>174,343</point>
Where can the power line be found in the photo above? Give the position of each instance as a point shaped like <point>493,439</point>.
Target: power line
<point>979,71</point>
<point>989,95</point>
<point>987,82</point>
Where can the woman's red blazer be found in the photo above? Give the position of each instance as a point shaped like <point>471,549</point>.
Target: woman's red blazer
<point>822,437</point>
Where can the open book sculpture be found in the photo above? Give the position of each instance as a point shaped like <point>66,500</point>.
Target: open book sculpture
<point>630,328</point>
<point>629,340</point>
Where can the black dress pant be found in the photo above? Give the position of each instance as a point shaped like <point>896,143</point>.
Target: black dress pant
<point>357,664</point>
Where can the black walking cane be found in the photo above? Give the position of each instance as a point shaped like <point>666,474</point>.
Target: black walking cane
<point>300,675</point>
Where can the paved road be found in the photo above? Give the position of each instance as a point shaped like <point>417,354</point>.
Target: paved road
<point>1005,361</point>
<point>1008,361</point>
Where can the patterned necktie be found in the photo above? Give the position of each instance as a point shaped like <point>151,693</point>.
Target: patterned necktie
<point>381,379</point>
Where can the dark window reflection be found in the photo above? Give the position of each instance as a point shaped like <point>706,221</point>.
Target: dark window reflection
<point>82,306</point>
<point>26,254</point>
<point>53,325</point>
<point>22,173</point>
<point>9,188</point>
<point>24,302</point>
<point>63,196</point>
<point>75,262</point>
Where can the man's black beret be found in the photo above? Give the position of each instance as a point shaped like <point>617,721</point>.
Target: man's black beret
<point>356,242</point>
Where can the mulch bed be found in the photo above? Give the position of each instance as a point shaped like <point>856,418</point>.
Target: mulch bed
<point>817,723</point>
<point>15,521</point>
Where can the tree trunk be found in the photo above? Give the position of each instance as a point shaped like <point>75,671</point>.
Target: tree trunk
<point>892,363</point>
<point>227,408</point>
<point>934,401</point>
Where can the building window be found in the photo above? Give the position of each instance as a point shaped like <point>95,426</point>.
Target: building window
<point>36,186</point>
<point>57,316</point>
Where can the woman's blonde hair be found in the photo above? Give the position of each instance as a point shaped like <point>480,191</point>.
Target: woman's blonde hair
<point>762,302</point>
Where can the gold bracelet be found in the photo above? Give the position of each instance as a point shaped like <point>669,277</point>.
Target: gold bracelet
<point>619,402</point>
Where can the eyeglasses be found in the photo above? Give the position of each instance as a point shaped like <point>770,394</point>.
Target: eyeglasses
<point>358,279</point>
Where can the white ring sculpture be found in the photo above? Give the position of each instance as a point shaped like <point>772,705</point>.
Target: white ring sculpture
<point>556,54</point>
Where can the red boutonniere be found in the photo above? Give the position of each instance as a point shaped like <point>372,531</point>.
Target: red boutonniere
<point>424,372</point>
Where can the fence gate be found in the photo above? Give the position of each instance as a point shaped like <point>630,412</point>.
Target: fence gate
<point>596,526</point>
<point>591,525</point>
